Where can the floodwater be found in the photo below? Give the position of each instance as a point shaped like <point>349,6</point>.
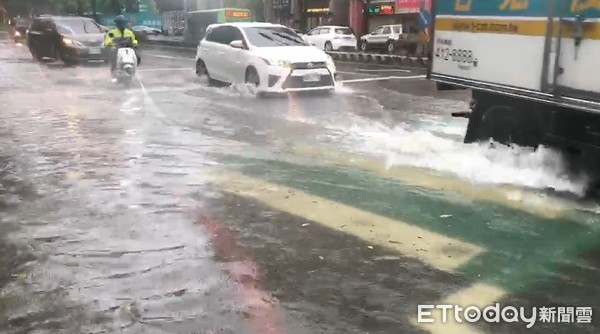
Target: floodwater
<point>174,207</point>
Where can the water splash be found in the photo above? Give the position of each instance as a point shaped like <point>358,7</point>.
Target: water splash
<point>482,163</point>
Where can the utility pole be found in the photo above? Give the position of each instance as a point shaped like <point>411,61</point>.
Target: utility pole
<point>366,16</point>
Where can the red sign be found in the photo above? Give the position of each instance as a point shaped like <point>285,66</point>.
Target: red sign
<point>408,6</point>
<point>386,10</point>
<point>236,13</point>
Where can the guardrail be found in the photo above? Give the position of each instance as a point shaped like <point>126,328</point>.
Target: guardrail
<point>358,57</point>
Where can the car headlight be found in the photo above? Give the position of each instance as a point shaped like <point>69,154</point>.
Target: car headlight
<point>17,34</point>
<point>71,42</point>
<point>278,63</point>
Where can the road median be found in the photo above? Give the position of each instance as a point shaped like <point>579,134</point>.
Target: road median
<point>357,57</point>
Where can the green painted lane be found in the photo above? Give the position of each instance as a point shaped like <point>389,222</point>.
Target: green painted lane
<point>523,249</point>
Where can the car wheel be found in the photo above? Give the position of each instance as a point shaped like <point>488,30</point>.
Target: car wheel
<point>364,46</point>
<point>328,46</point>
<point>252,77</point>
<point>201,68</point>
<point>35,55</point>
<point>60,56</point>
<point>201,71</point>
<point>391,47</point>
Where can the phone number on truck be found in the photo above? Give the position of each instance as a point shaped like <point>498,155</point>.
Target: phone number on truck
<point>456,55</point>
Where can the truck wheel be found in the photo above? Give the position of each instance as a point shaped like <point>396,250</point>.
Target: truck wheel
<point>501,123</point>
<point>504,120</point>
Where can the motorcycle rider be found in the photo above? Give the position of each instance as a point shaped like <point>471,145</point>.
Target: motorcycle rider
<point>120,31</point>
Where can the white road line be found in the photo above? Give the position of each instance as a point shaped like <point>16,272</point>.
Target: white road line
<point>356,73</point>
<point>382,70</point>
<point>437,250</point>
<point>384,78</point>
<point>163,56</point>
<point>170,47</point>
<point>166,69</point>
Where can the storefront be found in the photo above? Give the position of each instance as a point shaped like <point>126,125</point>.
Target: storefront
<point>317,13</point>
<point>381,12</point>
<point>408,11</point>
<point>282,12</point>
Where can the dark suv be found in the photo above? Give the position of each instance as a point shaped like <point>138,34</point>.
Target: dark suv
<point>71,39</point>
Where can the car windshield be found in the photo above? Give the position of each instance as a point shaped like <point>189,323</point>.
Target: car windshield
<point>273,36</point>
<point>73,27</point>
<point>343,31</point>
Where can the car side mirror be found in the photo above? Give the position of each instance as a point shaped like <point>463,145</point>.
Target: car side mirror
<point>111,35</point>
<point>238,44</point>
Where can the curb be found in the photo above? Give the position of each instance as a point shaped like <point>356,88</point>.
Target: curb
<point>356,57</point>
<point>380,59</point>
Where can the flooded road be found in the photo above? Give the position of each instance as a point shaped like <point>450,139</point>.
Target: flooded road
<point>174,207</point>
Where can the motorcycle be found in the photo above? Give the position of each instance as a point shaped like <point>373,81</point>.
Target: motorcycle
<point>127,60</point>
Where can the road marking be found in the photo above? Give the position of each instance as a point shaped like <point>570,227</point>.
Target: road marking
<point>166,69</point>
<point>159,46</point>
<point>435,249</point>
<point>479,294</point>
<point>356,73</point>
<point>384,78</point>
<point>512,197</point>
<point>383,70</point>
<point>163,56</point>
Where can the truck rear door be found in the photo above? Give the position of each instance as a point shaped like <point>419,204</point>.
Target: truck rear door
<point>573,50</point>
<point>498,44</point>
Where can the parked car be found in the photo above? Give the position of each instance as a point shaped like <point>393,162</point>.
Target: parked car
<point>269,56</point>
<point>391,38</point>
<point>331,38</point>
<point>72,39</point>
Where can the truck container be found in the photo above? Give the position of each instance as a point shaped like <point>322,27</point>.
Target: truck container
<point>533,67</point>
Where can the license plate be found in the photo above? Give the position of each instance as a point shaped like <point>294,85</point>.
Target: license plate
<point>311,77</point>
<point>95,51</point>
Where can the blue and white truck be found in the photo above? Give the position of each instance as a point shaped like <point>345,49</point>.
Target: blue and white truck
<point>533,67</point>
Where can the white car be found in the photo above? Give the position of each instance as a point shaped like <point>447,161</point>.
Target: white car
<point>270,56</point>
<point>332,38</point>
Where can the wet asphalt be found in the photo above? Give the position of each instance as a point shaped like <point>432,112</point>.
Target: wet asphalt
<point>175,207</point>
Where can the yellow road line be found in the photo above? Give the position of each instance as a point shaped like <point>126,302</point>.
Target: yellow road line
<point>435,249</point>
<point>479,294</point>
<point>519,199</point>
